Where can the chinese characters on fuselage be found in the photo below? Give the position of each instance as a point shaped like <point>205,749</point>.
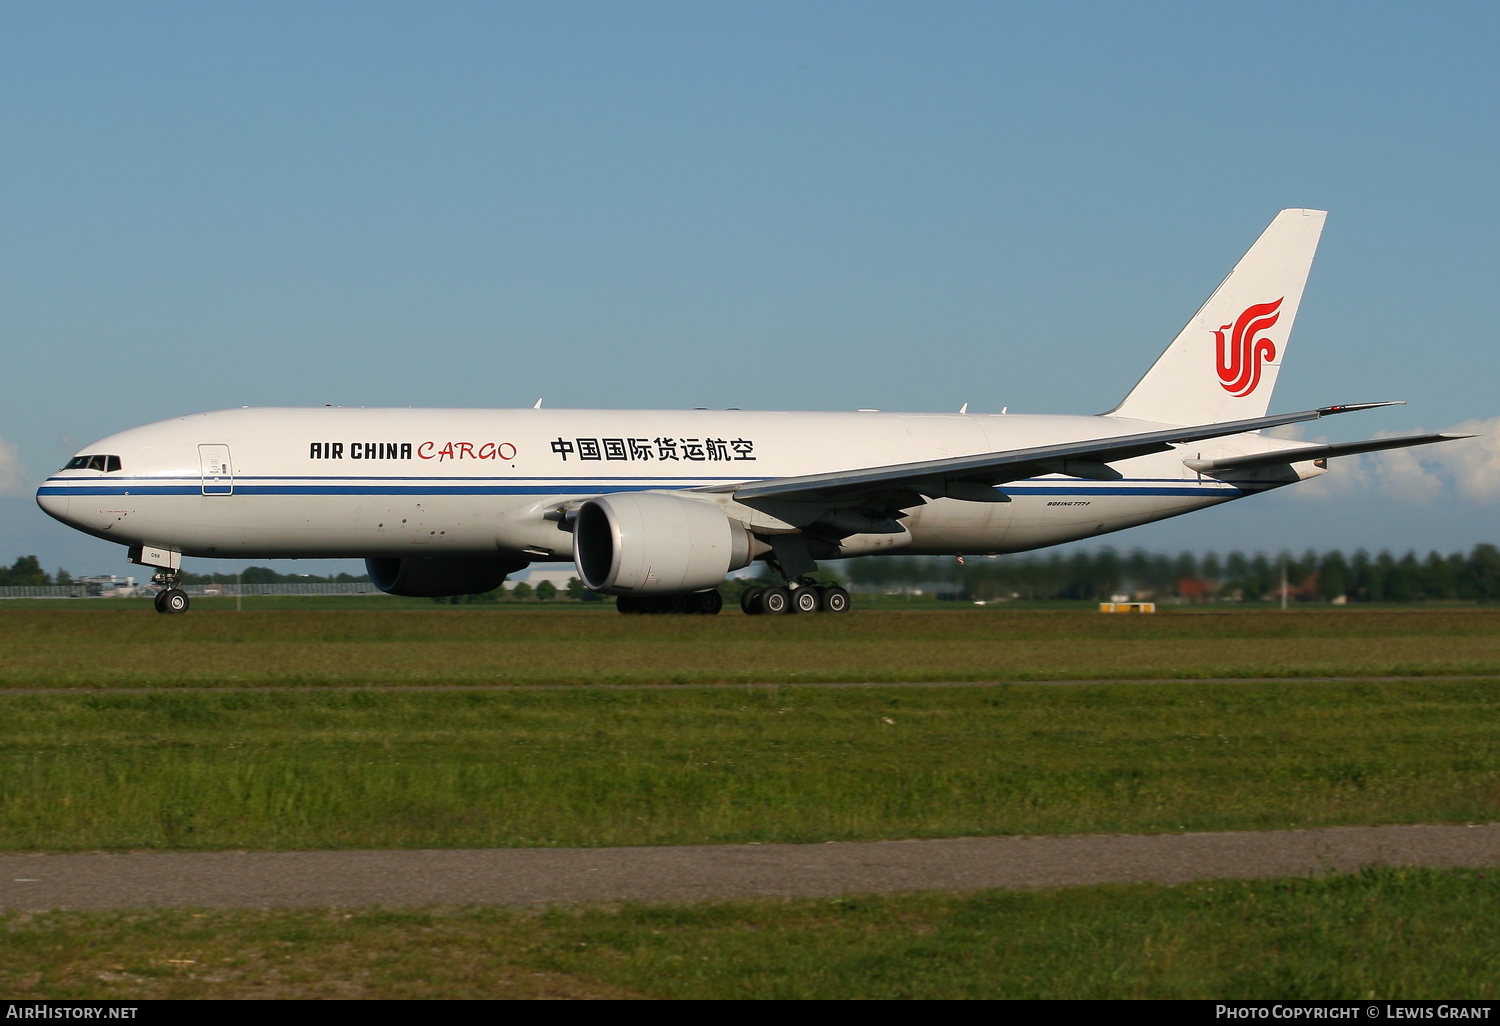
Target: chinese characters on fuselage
<point>696,450</point>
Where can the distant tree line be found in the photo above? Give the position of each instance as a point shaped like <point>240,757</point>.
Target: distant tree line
<point>545,591</point>
<point>265,575</point>
<point>1329,576</point>
<point>1235,577</point>
<point>27,570</point>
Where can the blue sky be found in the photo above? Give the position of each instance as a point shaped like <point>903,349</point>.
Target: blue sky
<point>771,205</point>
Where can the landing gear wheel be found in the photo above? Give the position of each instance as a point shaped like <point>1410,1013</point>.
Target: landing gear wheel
<point>629,605</point>
<point>776,601</point>
<point>750,600</point>
<point>174,600</point>
<point>835,600</point>
<point>708,602</point>
<point>806,600</point>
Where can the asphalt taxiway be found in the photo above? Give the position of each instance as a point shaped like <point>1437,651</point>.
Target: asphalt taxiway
<point>532,876</point>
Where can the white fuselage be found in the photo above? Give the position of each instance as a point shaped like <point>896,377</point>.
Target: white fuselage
<point>333,482</point>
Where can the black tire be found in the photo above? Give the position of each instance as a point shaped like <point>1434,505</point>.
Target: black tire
<point>629,605</point>
<point>750,600</point>
<point>156,601</point>
<point>709,603</point>
<point>687,603</point>
<point>835,600</point>
<point>776,601</point>
<point>806,600</point>
<point>174,601</point>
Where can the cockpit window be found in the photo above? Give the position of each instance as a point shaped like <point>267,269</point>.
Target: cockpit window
<point>104,463</point>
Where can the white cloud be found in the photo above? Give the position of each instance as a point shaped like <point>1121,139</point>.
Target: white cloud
<point>1476,461</point>
<point>1467,469</point>
<point>14,476</point>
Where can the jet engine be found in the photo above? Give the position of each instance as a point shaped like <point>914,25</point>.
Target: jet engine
<point>655,543</point>
<point>439,576</point>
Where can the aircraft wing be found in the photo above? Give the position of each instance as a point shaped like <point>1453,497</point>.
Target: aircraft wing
<point>1315,452</point>
<point>974,477</point>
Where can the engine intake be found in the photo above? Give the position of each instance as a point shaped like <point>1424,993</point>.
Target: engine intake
<point>655,543</point>
<point>440,576</point>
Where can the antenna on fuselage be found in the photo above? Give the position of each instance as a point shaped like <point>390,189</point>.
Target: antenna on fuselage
<point>964,408</point>
<point>538,405</point>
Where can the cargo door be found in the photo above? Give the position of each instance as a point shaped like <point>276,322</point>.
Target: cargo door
<point>218,475</point>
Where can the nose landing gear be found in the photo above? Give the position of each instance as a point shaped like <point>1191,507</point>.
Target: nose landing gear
<point>172,600</point>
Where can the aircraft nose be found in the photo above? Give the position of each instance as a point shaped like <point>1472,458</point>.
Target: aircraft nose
<point>53,504</point>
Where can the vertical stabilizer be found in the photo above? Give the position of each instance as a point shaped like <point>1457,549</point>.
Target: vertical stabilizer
<point>1223,365</point>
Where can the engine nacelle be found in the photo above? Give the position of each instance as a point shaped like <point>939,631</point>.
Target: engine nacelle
<point>440,575</point>
<point>655,543</point>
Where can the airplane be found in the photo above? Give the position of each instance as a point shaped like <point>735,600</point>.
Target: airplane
<point>655,507</point>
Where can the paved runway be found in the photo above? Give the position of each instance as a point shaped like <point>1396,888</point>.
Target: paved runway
<point>547,875</point>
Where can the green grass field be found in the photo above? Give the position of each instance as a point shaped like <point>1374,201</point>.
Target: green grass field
<point>1382,934</point>
<point>113,647</point>
<point>598,766</point>
<point>338,766</point>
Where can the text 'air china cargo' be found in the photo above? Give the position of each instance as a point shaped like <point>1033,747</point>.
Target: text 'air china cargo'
<point>655,507</point>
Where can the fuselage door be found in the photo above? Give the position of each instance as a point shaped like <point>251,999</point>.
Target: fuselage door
<point>218,476</point>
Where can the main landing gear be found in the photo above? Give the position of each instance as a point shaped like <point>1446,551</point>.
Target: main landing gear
<point>173,599</point>
<point>700,603</point>
<point>794,562</point>
<point>800,596</point>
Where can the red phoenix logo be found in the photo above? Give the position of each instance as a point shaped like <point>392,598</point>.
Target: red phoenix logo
<point>1240,358</point>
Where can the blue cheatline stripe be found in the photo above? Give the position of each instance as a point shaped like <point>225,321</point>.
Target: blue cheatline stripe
<point>507,477</point>
<point>113,478</point>
<point>239,489</point>
<point>560,488</point>
<point>118,490</point>
<point>594,480</point>
<point>1190,491</point>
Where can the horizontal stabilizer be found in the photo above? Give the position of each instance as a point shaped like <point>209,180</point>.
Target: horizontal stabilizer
<point>1315,452</point>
